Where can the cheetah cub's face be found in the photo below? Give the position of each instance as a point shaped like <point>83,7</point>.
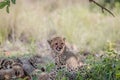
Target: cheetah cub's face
<point>57,44</point>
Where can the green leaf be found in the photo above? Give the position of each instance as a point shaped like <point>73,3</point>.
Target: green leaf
<point>7,9</point>
<point>13,1</point>
<point>118,75</point>
<point>2,4</point>
<point>8,2</point>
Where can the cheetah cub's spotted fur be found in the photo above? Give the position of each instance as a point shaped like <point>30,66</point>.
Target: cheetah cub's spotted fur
<point>62,55</point>
<point>6,63</point>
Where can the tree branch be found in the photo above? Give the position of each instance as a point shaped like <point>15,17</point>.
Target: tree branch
<point>103,8</point>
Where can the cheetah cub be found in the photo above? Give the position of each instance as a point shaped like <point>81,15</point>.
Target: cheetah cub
<point>63,55</point>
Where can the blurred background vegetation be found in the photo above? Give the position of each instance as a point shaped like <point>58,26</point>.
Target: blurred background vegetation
<point>81,22</point>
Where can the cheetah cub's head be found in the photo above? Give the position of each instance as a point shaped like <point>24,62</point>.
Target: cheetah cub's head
<point>57,44</point>
<point>18,70</point>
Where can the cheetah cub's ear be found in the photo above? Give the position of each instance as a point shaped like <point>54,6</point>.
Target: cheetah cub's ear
<point>49,41</point>
<point>64,39</point>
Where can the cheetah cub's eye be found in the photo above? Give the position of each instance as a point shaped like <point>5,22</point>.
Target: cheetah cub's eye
<point>56,43</point>
<point>62,43</point>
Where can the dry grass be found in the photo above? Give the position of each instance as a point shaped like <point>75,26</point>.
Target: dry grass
<point>35,20</point>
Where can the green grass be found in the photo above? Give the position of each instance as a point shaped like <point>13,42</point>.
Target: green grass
<point>100,68</point>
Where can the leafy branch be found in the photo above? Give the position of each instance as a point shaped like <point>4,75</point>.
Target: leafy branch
<point>103,8</point>
<point>6,3</point>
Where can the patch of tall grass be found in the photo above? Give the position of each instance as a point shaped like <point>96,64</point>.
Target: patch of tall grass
<point>87,29</point>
